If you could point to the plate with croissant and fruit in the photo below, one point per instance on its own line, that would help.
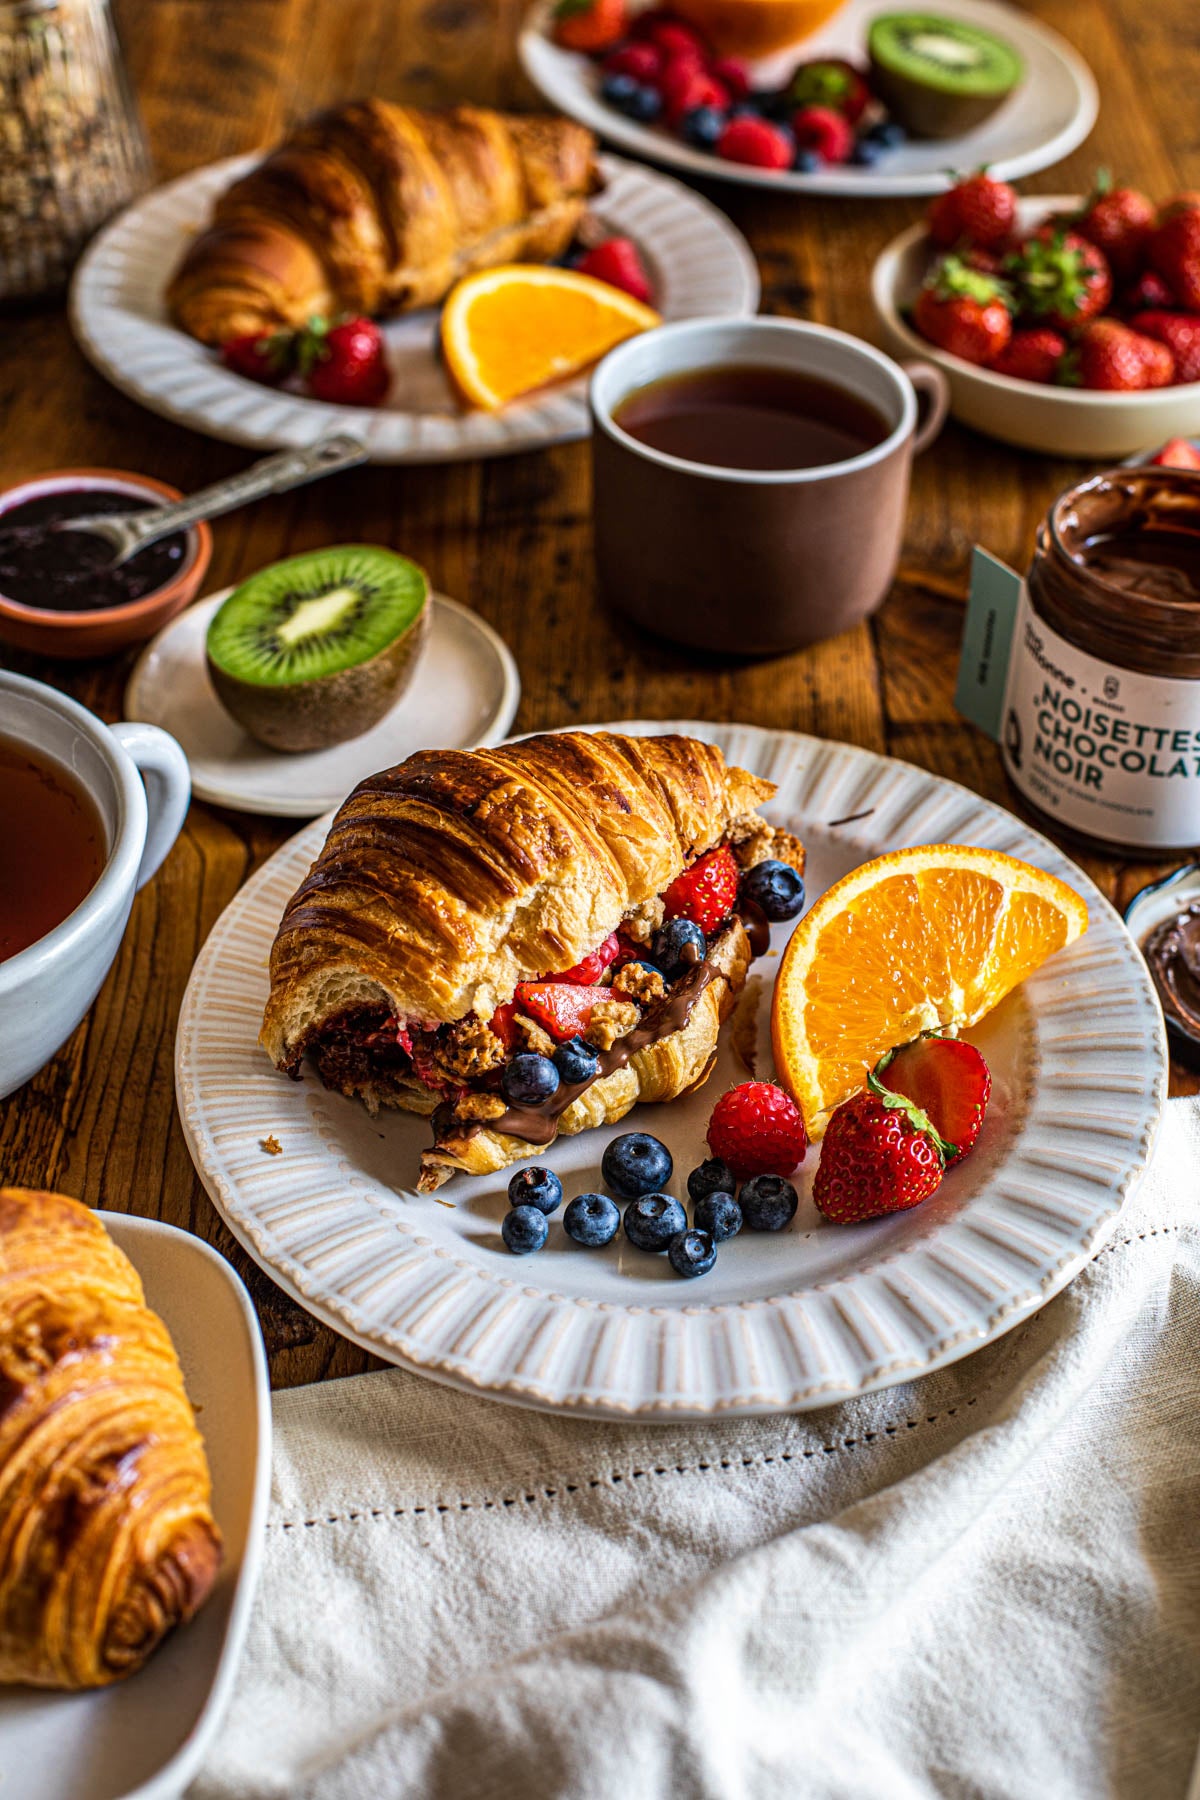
(669, 1070)
(437, 282)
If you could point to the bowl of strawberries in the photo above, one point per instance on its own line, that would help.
(1068, 325)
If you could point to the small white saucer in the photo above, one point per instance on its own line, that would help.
(464, 693)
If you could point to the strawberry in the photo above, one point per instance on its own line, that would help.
(1119, 222)
(756, 142)
(1061, 280)
(1180, 332)
(881, 1154)
(644, 62)
(706, 892)
(268, 357)
(1111, 356)
(832, 83)
(977, 210)
(1173, 250)
(1178, 454)
(589, 971)
(1148, 293)
(964, 312)
(1031, 355)
(503, 1023)
(949, 1081)
(827, 133)
(757, 1130)
(563, 1009)
(590, 25)
(733, 76)
(344, 362)
(618, 262)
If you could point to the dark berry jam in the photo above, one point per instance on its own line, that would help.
(66, 571)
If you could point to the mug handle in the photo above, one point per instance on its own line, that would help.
(932, 387)
(168, 781)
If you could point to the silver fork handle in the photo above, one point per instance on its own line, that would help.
(274, 475)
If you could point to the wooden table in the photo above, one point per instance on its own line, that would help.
(510, 537)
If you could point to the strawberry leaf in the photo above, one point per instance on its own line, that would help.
(920, 1121)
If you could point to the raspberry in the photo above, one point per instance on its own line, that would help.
(675, 38)
(828, 134)
(589, 971)
(699, 90)
(732, 75)
(757, 1130)
(617, 262)
(675, 83)
(643, 62)
(755, 142)
(706, 892)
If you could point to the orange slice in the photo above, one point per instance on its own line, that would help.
(510, 330)
(914, 940)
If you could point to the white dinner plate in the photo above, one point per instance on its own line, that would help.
(699, 266)
(1048, 116)
(785, 1321)
(143, 1739)
(465, 692)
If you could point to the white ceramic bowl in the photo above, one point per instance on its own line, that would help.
(1056, 421)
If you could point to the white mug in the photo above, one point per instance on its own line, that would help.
(46, 988)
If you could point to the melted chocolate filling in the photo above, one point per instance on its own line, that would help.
(1173, 953)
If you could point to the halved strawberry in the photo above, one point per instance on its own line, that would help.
(564, 1010)
(948, 1080)
(589, 971)
(706, 892)
(503, 1023)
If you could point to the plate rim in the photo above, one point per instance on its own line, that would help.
(126, 1229)
(213, 794)
(324, 417)
(946, 1349)
(641, 141)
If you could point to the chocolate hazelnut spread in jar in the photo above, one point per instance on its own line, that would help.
(1102, 703)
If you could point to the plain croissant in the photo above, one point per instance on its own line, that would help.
(449, 879)
(375, 208)
(107, 1539)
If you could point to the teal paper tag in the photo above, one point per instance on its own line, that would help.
(987, 642)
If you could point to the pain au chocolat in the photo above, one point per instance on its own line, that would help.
(449, 882)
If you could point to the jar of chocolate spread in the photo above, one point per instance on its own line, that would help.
(1102, 702)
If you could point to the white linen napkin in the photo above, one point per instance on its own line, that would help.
(984, 1583)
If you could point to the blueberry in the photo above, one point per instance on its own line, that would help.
(889, 132)
(719, 1214)
(678, 946)
(576, 1061)
(618, 90)
(691, 1253)
(524, 1230)
(652, 1221)
(807, 162)
(592, 1219)
(776, 888)
(867, 152)
(529, 1079)
(711, 1176)
(645, 105)
(768, 1202)
(535, 1187)
(703, 126)
(634, 1164)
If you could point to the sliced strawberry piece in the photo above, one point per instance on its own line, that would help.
(949, 1081)
(565, 1011)
(1178, 454)
(503, 1023)
(706, 892)
(589, 971)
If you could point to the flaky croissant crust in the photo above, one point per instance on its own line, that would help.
(107, 1539)
(447, 880)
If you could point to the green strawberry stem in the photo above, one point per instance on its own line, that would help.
(920, 1121)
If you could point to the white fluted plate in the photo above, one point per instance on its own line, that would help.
(699, 265)
(786, 1321)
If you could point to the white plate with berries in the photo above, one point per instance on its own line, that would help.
(795, 1311)
(656, 107)
(697, 264)
(1050, 341)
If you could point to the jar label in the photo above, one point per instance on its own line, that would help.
(1109, 753)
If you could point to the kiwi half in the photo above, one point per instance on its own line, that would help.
(314, 650)
(940, 77)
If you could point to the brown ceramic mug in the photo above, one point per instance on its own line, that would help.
(754, 561)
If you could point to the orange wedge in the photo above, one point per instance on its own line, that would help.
(510, 330)
(911, 941)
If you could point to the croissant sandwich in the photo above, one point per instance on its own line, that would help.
(107, 1540)
(374, 208)
(474, 908)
